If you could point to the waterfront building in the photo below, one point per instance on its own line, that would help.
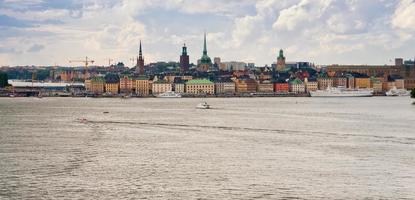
(179, 85)
(180, 88)
(339, 82)
(369, 70)
(112, 87)
(225, 87)
(142, 86)
(184, 60)
(200, 86)
(280, 61)
(205, 62)
(362, 82)
(246, 85)
(310, 85)
(282, 87)
(409, 84)
(350, 81)
(265, 86)
(324, 83)
(95, 85)
(297, 86)
(376, 84)
(140, 62)
(161, 86)
(126, 84)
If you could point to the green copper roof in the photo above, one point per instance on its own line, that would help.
(199, 82)
(98, 79)
(296, 82)
(141, 78)
(205, 58)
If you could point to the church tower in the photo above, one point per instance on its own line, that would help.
(184, 60)
(205, 61)
(140, 62)
(281, 61)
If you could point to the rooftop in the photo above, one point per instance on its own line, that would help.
(199, 82)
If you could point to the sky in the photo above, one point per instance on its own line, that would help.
(52, 32)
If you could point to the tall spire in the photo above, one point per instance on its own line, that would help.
(140, 51)
(204, 47)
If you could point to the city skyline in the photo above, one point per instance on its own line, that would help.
(38, 32)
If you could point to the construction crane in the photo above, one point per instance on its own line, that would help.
(109, 61)
(87, 61)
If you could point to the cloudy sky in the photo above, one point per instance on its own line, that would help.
(49, 32)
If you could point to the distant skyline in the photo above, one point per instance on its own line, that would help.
(49, 32)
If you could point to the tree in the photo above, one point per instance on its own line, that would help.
(413, 93)
(4, 80)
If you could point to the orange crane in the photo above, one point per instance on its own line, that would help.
(87, 61)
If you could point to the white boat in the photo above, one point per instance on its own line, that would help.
(342, 92)
(170, 94)
(203, 105)
(397, 92)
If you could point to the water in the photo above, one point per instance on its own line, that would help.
(265, 148)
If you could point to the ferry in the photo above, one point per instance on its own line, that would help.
(342, 92)
(170, 94)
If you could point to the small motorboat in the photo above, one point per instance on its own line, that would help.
(203, 105)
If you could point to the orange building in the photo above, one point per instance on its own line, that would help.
(245, 85)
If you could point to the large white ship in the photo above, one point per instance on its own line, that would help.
(397, 92)
(342, 92)
(170, 94)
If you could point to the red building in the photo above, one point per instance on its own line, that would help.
(281, 87)
(184, 60)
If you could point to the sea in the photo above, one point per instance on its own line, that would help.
(242, 148)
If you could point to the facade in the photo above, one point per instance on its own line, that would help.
(370, 70)
(161, 86)
(266, 87)
(126, 84)
(362, 82)
(184, 60)
(180, 88)
(232, 66)
(246, 85)
(310, 85)
(224, 88)
(200, 86)
(205, 62)
(340, 82)
(409, 84)
(140, 62)
(280, 62)
(142, 86)
(297, 86)
(281, 87)
(95, 85)
(112, 88)
(324, 83)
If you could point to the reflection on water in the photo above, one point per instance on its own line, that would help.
(300, 148)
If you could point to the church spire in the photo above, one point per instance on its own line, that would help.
(140, 53)
(204, 47)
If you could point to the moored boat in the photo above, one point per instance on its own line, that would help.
(342, 92)
(170, 94)
(203, 105)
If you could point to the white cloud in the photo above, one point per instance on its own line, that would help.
(404, 16)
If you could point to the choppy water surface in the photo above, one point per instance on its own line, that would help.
(269, 148)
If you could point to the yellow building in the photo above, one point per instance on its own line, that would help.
(362, 82)
(297, 86)
(310, 85)
(126, 84)
(200, 86)
(112, 88)
(142, 86)
(324, 83)
(95, 85)
(266, 87)
(161, 86)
